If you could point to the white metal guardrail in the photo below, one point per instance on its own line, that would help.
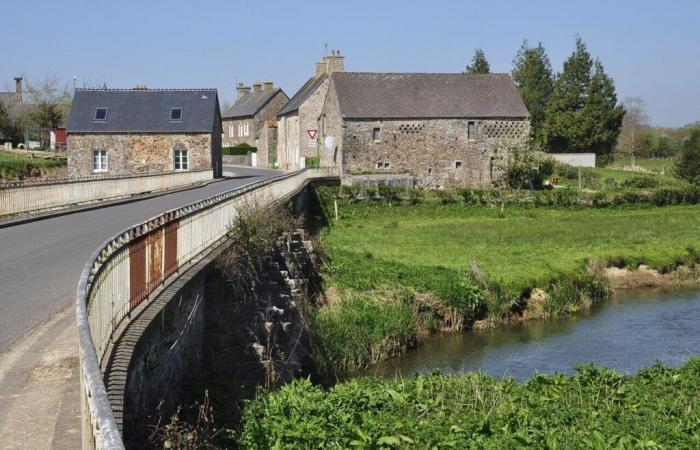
(21, 197)
(130, 265)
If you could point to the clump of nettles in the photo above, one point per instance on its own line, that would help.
(254, 231)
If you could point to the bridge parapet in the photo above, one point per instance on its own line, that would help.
(127, 268)
(42, 195)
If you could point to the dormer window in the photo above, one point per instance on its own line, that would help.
(100, 114)
(176, 114)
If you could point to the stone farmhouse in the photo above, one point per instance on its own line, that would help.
(441, 129)
(301, 114)
(141, 131)
(244, 121)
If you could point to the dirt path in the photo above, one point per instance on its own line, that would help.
(39, 387)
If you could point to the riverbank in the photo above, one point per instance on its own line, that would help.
(658, 407)
(396, 272)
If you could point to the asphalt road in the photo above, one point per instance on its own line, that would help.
(40, 262)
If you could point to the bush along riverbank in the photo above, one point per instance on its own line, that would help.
(598, 408)
(397, 269)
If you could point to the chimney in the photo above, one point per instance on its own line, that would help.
(18, 89)
(141, 87)
(257, 86)
(267, 86)
(242, 90)
(335, 62)
(321, 67)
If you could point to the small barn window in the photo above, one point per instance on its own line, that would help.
(471, 130)
(430, 170)
(375, 134)
(180, 160)
(99, 160)
(458, 164)
(101, 114)
(176, 114)
(387, 165)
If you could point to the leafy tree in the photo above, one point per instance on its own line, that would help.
(582, 113)
(688, 163)
(9, 131)
(479, 63)
(634, 124)
(523, 164)
(532, 74)
(50, 98)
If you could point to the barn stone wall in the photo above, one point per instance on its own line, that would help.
(437, 152)
(136, 153)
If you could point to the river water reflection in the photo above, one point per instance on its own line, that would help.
(629, 332)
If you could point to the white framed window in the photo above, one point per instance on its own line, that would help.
(99, 160)
(176, 114)
(245, 129)
(240, 130)
(230, 130)
(181, 160)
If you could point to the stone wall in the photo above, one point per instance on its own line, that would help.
(437, 152)
(231, 137)
(135, 153)
(269, 111)
(267, 145)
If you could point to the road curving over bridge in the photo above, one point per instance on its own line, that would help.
(40, 264)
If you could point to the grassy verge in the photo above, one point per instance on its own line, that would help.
(17, 167)
(424, 253)
(598, 408)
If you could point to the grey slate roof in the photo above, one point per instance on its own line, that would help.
(427, 95)
(249, 104)
(302, 94)
(148, 111)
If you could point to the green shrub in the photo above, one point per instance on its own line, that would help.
(640, 182)
(597, 408)
(238, 150)
(688, 162)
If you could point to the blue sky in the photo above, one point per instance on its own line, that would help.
(651, 48)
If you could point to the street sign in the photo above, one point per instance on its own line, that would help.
(312, 143)
(312, 133)
(329, 142)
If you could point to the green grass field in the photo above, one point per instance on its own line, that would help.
(651, 164)
(519, 247)
(15, 166)
(396, 273)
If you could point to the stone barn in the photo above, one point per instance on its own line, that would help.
(441, 129)
(143, 131)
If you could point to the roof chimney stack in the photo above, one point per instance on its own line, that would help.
(267, 86)
(335, 62)
(18, 89)
(257, 86)
(242, 90)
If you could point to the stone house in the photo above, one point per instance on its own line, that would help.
(301, 114)
(245, 119)
(140, 131)
(441, 129)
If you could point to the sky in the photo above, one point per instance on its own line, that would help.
(650, 48)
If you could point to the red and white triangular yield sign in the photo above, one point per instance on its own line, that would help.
(312, 133)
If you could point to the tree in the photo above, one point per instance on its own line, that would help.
(601, 113)
(688, 163)
(532, 74)
(51, 99)
(9, 131)
(582, 113)
(634, 124)
(523, 164)
(479, 63)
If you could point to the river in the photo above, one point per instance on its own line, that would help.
(628, 332)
